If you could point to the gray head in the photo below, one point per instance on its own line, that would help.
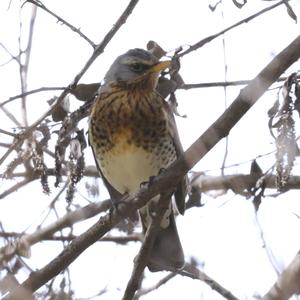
(135, 64)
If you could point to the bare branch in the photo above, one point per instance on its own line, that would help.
(100, 47)
(23, 67)
(188, 86)
(239, 183)
(122, 239)
(266, 247)
(11, 116)
(212, 37)
(161, 282)
(61, 20)
(68, 220)
(287, 284)
(17, 58)
(7, 132)
(17, 186)
(5, 145)
(27, 93)
(194, 273)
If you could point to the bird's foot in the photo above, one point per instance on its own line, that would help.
(120, 205)
(161, 170)
(147, 184)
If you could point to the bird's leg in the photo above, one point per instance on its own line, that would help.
(119, 206)
(161, 170)
(146, 184)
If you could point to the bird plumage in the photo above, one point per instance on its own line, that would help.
(134, 136)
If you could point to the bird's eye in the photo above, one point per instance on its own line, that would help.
(138, 67)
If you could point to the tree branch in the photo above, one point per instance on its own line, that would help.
(287, 284)
(61, 20)
(23, 67)
(27, 93)
(17, 186)
(239, 183)
(246, 20)
(194, 273)
(161, 282)
(188, 86)
(68, 220)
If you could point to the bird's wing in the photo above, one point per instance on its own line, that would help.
(182, 187)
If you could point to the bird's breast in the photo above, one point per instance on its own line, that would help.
(130, 138)
(126, 165)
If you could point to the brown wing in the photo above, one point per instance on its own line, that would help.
(181, 189)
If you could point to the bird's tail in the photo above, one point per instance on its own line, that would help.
(167, 252)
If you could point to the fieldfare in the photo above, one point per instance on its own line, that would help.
(133, 136)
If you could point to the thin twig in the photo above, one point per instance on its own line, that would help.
(11, 117)
(16, 143)
(6, 62)
(266, 247)
(194, 273)
(17, 58)
(5, 145)
(212, 37)
(27, 93)
(122, 239)
(188, 86)
(185, 86)
(7, 133)
(225, 95)
(23, 67)
(61, 20)
(156, 286)
(16, 187)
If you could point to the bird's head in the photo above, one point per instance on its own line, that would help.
(136, 66)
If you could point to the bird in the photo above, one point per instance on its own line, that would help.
(133, 136)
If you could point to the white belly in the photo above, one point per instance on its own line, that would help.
(126, 170)
(126, 167)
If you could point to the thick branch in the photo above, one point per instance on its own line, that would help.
(220, 128)
(288, 284)
(68, 220)
(240, 182)
(236, 182)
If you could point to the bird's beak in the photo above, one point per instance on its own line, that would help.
(162, 65)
